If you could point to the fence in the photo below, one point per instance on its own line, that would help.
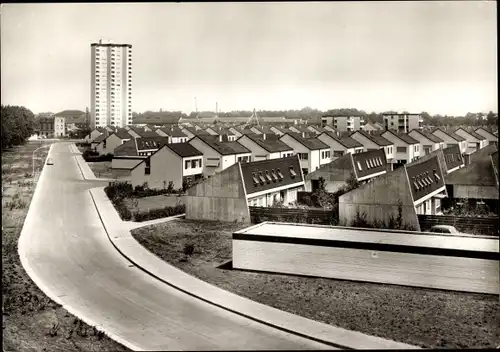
(310, 216)
(485, 226)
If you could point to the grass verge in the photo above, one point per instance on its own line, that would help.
(31, 321)
(101, 169)
(422, 317)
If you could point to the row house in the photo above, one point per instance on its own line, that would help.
(474, 140)
(303, 131)
(263, 148)
(415, 189)
(488, 134)
(340, 146)
(373, 127)
(315, 129)
(173, 134)
(97, 140)
(312, 152)
(96, 132)
(218, 155)
(361, 167)
(450, 159)
(407, 149)
(131, 153)
(427, 140)
(192, 132)
(226, 196)
(226, 134)
(373, 142)
(180, 163)
(279, 131)
(111, 142)
(270, 181)
(477, 180)
(261, 130)
(450, 138)
(239, 131)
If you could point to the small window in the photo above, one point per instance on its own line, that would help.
(359, 166)
(292, 172)
(261, 177)
(273, 174)
(436, 176)
(269, 179)
(280, 175)
(254, 177)
(186, 164)
(193, 164)
(147, 170)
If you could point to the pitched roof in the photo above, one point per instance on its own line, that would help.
(431, 137)
(488, 130)
(479, 172)
(147, 143)
(223, 148)
(122, 133)
(184, 150)
(347, 141)
(450, 133)
(301, 129)
(476, 135)
(100, 138)
(126, 149)
(369, 163)
(173, 132)
(149, 134)
(272, 145)
(309, 143)
(196, 132)
(452, 157)
(379, 140)
(425, 177)
(336, 170)
(266, 175)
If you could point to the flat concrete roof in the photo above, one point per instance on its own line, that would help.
(369, 236)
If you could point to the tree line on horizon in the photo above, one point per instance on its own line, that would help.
(471, 119)
(17, 125)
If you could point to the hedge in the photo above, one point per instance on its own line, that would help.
(160, 213)
(97, 158)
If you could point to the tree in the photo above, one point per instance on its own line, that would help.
(17, 125)
(491, 118)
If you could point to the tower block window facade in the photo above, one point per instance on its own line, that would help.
(111, 84)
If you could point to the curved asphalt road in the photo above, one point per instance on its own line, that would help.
(66, 251)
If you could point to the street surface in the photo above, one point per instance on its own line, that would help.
(67, 250)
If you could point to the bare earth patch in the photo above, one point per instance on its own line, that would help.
(31, 321)
(421, 317)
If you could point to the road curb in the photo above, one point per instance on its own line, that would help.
(354, 336)
(78, 162)
(23, 241)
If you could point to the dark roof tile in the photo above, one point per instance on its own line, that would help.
(269, 174)
(425, 178)
(223, 148)
(310, 143)
(369, 163)
(184, 150)
(272, 145)
(148, 143)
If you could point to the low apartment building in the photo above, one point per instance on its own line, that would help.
(488, 134)
(344, 123)
(417, 188)
(112, 141)
(402, 123)
(428, 141)
(474, 141)
(407, 149)
(373, 142)
(59, 127)
(180, 163)
(218, 155)
(173, 134)
(263, 148)
(361, 166)
(312, 152)
(450, 138)
(340, 146)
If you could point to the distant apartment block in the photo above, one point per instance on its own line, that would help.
(111, 84)
(343, 123)
(59, 127)
(402, 123)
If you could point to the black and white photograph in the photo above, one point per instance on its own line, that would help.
(210, 176)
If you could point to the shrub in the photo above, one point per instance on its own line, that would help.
(97, 158)
(188, 249)
(160, 213)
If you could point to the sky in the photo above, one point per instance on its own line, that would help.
(439, 57)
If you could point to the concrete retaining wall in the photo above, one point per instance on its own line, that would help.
(221, 197)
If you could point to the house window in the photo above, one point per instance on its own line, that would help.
(268, 177)
(254, 178)
(261, 177)
(186, 164)
(193, 164)
(280, 175)
(147, 170)
(303, 156)
(292, 172)
(359, 165)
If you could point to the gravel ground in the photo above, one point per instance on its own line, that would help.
(31, 321)
(422, 317)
